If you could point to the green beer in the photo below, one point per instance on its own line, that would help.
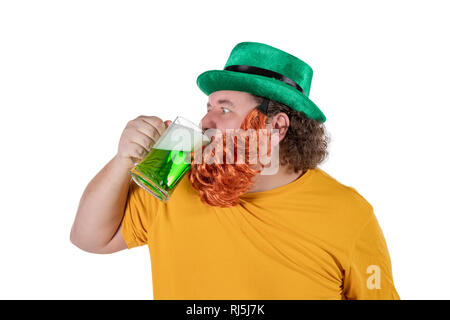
(158, 174)
(169, 159)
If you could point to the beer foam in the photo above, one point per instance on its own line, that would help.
(182, 138)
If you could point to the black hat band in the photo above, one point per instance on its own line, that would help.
(265, 73)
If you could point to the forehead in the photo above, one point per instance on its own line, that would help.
(237, 98)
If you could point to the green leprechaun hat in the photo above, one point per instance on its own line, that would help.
(267, 72)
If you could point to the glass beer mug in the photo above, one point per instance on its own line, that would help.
(169, 159)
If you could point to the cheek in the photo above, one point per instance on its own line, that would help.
(230, 123)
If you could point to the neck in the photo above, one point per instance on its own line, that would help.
(281, 178)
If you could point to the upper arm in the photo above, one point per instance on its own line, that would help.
(139, 213)
(117, 243)
(369, 275)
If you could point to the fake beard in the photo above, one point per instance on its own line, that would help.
(221, 184)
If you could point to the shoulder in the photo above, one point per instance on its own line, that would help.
(349, 203)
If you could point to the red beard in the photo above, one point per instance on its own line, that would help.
(221, 184)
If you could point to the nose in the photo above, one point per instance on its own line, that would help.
(208, 122)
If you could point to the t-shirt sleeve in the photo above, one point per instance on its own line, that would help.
(140, 212)
(369, 274)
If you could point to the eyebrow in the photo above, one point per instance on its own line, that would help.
(221, 102)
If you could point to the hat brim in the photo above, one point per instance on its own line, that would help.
(216, 80)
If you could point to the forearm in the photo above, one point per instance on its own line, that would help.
(102, 205)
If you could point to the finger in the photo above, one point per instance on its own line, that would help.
(149, 131)
(138, 151)
(155, 122)
(167, 123)
(143, 140)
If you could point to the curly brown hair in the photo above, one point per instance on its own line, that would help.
(305, 143)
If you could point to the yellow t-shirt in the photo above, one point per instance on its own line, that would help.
(313, 238)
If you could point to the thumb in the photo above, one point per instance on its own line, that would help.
(167, 123)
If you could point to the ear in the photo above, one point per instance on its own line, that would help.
(281, 122)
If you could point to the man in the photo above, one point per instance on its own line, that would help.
(229, 231)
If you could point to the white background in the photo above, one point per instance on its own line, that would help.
(73, 73)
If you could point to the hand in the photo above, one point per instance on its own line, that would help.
(139, 136)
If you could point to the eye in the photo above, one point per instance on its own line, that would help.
(223, 109)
